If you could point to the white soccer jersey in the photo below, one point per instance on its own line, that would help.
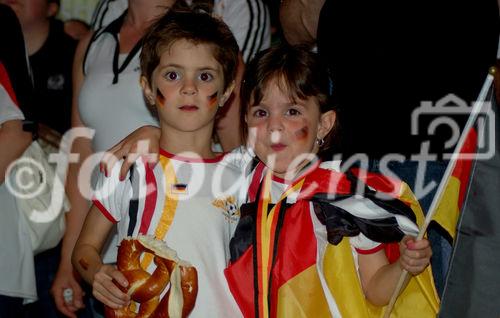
(187, 203)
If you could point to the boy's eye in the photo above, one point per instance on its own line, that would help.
(205, 77)
(293, 112)
(172, 76)
(260, 113)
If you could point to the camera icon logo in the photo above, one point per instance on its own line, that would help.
(447, 112)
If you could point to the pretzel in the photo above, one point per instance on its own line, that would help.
(145, 288)
(172, 305)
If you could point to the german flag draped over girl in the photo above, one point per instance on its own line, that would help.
(295, 249)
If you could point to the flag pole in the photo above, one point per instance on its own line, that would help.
(476, 109)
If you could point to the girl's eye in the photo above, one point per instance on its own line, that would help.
(205, 77)
(293, 112)
(172, 76)
(260, 113)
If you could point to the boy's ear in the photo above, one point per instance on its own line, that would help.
(148, 92)
(52, 9)
(223, 99)
(326, 123)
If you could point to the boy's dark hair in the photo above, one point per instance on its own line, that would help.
(298, 72)
(182, 23)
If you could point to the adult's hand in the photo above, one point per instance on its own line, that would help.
(66, 279)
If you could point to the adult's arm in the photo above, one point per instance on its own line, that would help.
(65, 277)
(14, 141)
(299, 20)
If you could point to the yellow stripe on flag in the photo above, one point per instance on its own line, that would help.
(265, 246)
(340, 271)
(305, 285)
(448, 210)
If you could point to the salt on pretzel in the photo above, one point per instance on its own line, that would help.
(145, 288)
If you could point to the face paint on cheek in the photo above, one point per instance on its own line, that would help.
(302, 133)
(212, 99)
(160, 99)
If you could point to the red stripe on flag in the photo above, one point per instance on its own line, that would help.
(385, 184)
(324, 181)
(240, 278)
(297, 249)
(463, 169)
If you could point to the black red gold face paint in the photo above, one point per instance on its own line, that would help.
(302, 133)
(160, 99)
(212, 99)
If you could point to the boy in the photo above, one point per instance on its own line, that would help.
(188, 65)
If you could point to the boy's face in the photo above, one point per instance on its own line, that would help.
(188, 86)
(31, 11)
(283, 132)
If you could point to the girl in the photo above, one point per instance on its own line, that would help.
(288, 254)
(188, 66)
(290, 235)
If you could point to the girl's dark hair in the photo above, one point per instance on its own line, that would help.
(298, 72)
(184, 23)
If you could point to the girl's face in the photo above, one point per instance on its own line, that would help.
(187, 86)
(283, 133)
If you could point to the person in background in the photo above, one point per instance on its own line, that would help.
(80, 10)
(106, 11)
(76, 15)
(249, 20)
(76, 28)
(17, 284)
(51, 53)
(299, 20)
